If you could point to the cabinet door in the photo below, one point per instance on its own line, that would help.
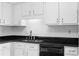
(17, 14)
(22, 11)
(78, 13)
(5, 49)
(68, 12)
(51, 12)
(33, 49)
(0, 11)
(6, 13)
(26, 10)
(38, 9)
(18, 49)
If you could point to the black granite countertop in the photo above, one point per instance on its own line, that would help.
(50, 41)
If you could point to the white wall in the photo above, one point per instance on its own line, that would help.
(40, 29)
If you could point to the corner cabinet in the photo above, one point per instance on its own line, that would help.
(61, 13)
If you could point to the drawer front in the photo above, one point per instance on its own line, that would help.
(70, 51)
(32, 46)
(18, 45)
(33, 53)
(32, 49)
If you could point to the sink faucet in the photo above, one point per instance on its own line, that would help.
(30, 35)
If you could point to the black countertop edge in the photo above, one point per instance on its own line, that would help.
(36, 36)
(42, 43)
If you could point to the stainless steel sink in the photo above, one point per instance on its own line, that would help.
(33, 41)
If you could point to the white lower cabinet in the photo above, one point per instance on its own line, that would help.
(78, 51)
(70, 51)
(18, 52)
(5, 49)
(19, 49)
(33, 49)
(25, 49)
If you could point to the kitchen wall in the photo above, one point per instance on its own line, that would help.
(40, 29)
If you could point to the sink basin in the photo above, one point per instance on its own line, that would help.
(33, 40)
(38, 40)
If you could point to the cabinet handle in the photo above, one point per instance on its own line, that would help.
(29, 13)
(33, 12)
(62, 20)
(57, 20)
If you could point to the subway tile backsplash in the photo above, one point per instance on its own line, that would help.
(45, 30)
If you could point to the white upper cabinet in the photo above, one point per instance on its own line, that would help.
(78, 13)
(6, 13)
(68, 12)
(0, 12)
(1, 15)
(32, 9)
(21, 12)
(28, 10)
(51, 12)
(61, 13)
(38, 9)
(17, 13)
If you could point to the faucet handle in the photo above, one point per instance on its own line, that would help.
(34, 37)
(31, 33)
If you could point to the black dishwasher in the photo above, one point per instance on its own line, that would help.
(46, 50)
